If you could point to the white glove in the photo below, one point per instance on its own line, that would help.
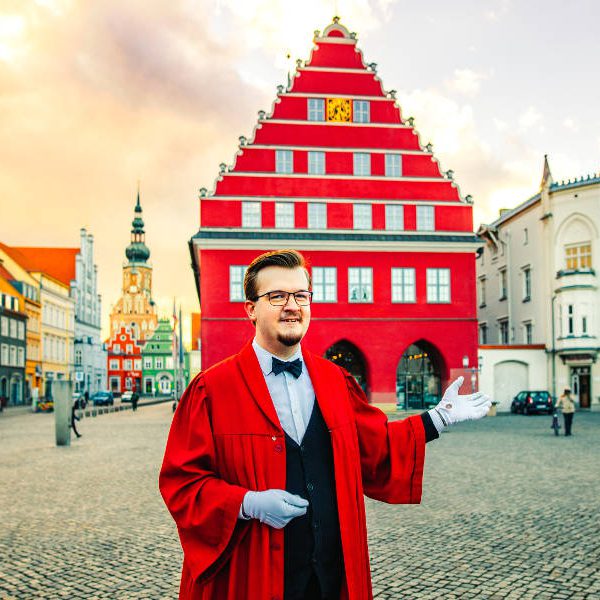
(274, 507)
(454, 408)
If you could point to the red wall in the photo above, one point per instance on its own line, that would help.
(336, 135)
(381, 330)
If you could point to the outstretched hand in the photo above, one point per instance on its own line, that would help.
(455, 408)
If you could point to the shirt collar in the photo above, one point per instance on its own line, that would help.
(265, 358)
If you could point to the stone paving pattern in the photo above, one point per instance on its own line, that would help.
(509, 511)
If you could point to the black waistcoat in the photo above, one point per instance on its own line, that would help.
(312, 542)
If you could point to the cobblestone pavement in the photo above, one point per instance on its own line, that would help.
(509, 511)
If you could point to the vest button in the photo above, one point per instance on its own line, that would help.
(315, 525)
(274, 438)
(302, 448)
(278, 448)
(310, 487)
(313, 560)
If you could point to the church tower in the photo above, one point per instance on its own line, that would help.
(135, 309)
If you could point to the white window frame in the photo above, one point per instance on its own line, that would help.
(362, 216)
(502, 283)
(526, 283)
(251, 214)
(425, 217)
(393, 165)
(394, 217)
(482, 291)
(503, 326)
(439, 286)
(361, 111)
(114, 364)
(316, 162)
(361, 164)
(527, 335)
(147, 362)
(324, 284)
(284, 161)
(236, 283)
(360, 280)
(403, 285)
(284, 215)
(159, 362)
(317, 215)
(315, 109)
(483, 329)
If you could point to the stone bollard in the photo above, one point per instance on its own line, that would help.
(61, 394)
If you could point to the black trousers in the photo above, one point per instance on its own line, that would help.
(568, 422)
(312, 592)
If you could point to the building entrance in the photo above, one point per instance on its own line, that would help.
(580, 376)
(347, 355)
(418, 381)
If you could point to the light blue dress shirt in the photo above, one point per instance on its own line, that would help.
(293, 398)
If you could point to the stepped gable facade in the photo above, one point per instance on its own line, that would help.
(335, 171)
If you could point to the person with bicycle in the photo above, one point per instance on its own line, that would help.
(567, 404)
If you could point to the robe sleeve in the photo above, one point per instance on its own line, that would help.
(392, 454)
(204, 507)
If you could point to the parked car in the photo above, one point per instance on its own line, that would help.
(531, 402)
(126, 396)
(103, 399)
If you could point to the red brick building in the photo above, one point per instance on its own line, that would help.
(124, 363)
(337, 173)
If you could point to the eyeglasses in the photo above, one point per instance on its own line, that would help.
(280, 298)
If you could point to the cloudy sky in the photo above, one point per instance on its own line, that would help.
(96, 94)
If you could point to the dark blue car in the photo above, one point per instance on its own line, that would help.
(103, 399)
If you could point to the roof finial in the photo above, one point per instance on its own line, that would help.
(546, 175)
(138, 205)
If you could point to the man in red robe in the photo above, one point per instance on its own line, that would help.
(271, 451)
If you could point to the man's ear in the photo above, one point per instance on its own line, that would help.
(250, 311)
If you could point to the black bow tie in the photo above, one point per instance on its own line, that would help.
(294, 367)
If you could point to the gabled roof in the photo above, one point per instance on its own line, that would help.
(5, 273)
(56, 262)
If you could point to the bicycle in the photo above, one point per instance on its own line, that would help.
(555, 424)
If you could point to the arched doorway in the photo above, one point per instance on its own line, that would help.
(347, 355)
(418, 377)
(164, 384)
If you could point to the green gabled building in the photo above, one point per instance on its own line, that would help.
(158, 367)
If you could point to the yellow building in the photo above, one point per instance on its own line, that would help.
(28, 287)
(135, 309)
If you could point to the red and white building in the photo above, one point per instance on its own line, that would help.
(124, 362)
(335, 172)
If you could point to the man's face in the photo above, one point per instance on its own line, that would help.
(279, 327)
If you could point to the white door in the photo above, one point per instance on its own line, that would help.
(510, 378)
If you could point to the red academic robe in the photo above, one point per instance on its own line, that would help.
(226, 439)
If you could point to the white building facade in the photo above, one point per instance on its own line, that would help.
(538, 294)
(90, 355)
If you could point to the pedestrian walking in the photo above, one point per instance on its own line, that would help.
(86, 399)
(567, 404)
(74, 417)
(271, 450)
(134, 401)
